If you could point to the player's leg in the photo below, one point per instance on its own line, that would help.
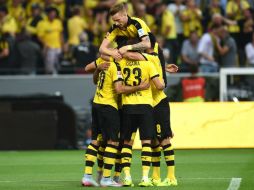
(91, 152)
(110, 131)
(118, 165)
(147, 132)
(100, 154)
(163, 119)
(156, 158)
(126, 154)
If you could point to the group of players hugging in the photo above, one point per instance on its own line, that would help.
(130, 80)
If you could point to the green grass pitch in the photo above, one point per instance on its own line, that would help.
(195, 169)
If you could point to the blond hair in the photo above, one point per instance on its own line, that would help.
(117, 8)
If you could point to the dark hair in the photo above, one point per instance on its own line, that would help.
(116, 8)
(50, 9)
(4, 9)
(215, 26)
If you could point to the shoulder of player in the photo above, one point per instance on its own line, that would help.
(112, 28)
(137, 22)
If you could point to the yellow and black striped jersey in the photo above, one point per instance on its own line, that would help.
(135, 28)
(133, 73)
(105, 91)
(158, 95)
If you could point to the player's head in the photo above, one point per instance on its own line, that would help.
(119, 15)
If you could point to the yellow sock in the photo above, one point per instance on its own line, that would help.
(90, 158)
(146, 157)
(156, 157)
(100, 157)
(126, 159)
(170, 160)
(109, 159)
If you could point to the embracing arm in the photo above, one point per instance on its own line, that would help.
(141, 46)
(159, 84)
(104, 49)
(123, 89)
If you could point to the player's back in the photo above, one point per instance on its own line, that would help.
(133, 73)
(158, 95)
(105, 91)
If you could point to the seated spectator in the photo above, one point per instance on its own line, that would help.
(84, 53)
(193, 87)
(227, 49)
(189, 52)
(8, 24)
(27, 54)
(49, 32)
(207, 50)
(249, 50)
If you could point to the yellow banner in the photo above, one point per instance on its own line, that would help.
(211, 125)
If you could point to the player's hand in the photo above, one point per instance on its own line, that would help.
(145, 84)
(123, 50)
(116, 55)
(171, 68)
(104, 66)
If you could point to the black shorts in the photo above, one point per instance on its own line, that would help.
(142, 121)
(162, 119)
(105, 121)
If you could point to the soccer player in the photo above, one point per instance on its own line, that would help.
(105, 119)
(161, 113)
(138, 113)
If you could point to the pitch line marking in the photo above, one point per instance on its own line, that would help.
(234, 183)
(197, 178)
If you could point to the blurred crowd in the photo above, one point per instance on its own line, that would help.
(62, 36)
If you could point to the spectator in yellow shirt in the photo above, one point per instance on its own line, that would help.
(191, 18)
(18, 12)
(168, 30)
(142, 14)
(49, 31)
(8, 24)
(76, 25)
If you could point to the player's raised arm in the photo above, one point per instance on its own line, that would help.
(141, 46)
(106, 50)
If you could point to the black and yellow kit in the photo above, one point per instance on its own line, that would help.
(137, 107)
(136, 28)
(105, 115)
(161, 110)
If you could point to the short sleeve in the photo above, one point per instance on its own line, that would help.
(153, 71)
(141, 27)
(116, 73)
(111, 34)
